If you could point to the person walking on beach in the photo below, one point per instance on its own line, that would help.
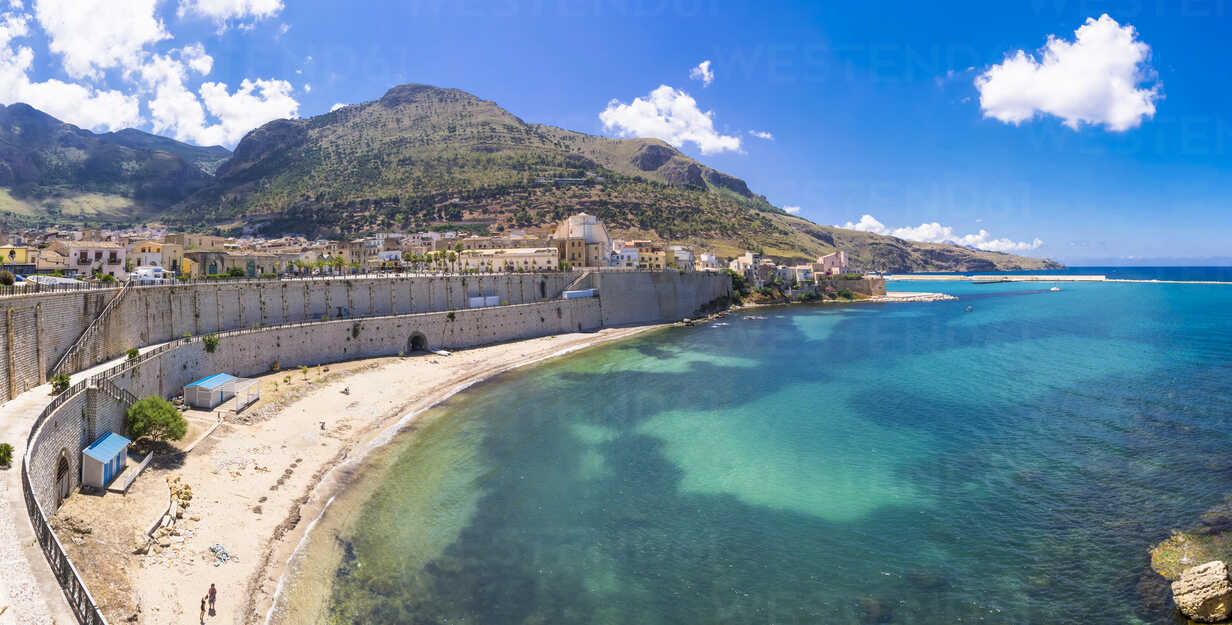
(212, 596)
(202, 610)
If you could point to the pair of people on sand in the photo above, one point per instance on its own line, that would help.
(208, 598)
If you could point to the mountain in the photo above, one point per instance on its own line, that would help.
(423, 156)
(206, 159)
(51, 171)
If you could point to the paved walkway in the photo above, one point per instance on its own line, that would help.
(27, 586)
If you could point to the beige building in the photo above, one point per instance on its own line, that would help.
(199, 264)
(486, 243)
(51, 261)
(512, 259)
(582, 241)
(194, 242)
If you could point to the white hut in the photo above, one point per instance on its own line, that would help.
(104, 459)
(210, 391)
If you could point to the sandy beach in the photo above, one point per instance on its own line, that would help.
(262, 477)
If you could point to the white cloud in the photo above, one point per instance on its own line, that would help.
(703, 73)
(83, 106)
(177, 111)
(307, 88)
(1102, 77)
(668, 114)
(96, 35)
(791, 210)
(761, 134)
(197, 59)
(336, 107)
(92, 38)
(936, 233)
(16, 5)
(222, 11)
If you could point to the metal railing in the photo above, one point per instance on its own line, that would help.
(75, 592)
(115, 392)
(34, 288)
(89, 332)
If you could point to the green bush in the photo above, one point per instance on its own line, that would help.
(235, 272)
(846, 294)
(851, 276)
(107, 278)
(6, 454)
(156, 418)
(59, 383)
(211, 342)
(132, 353)
(7, 278)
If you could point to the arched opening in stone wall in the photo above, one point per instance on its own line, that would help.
(64, 478)
(417, 343)
(543, 289)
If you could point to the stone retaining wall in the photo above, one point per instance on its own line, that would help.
(252, 352)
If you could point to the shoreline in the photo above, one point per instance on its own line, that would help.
(281, 553)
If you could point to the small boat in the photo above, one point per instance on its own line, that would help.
(968, 309)
(754, 317)
(1055, 288)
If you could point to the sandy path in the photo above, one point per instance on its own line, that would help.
(253, 483)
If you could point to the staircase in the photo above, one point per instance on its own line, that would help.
(581, 282)
(71, 360)
(111, 390)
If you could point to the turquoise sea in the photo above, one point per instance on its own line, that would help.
(904, 463)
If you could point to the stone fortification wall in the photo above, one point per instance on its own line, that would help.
(866, 286)
(37, 330)
(252, 352)
(630, 298)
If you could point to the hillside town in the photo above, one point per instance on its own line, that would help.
(153, 256)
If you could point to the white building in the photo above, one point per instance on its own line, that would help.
(86, 257)
(625, 257)
(150, 275)
(707, 262)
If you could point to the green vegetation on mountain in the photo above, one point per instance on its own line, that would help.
(419, 158)
(53, 172)
(424, 156)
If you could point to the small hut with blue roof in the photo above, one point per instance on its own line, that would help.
(104, 459)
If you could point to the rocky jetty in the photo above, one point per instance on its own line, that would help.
(1204, 593)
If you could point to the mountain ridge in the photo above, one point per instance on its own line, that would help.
(428, 157)
(52, 171)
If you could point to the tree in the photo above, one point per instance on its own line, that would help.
(235, 272)
(7, 278)
(156, 418)
(211, 342)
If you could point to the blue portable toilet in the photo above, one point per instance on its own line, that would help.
(104, 459)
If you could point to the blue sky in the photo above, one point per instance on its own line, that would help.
(873, 107)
